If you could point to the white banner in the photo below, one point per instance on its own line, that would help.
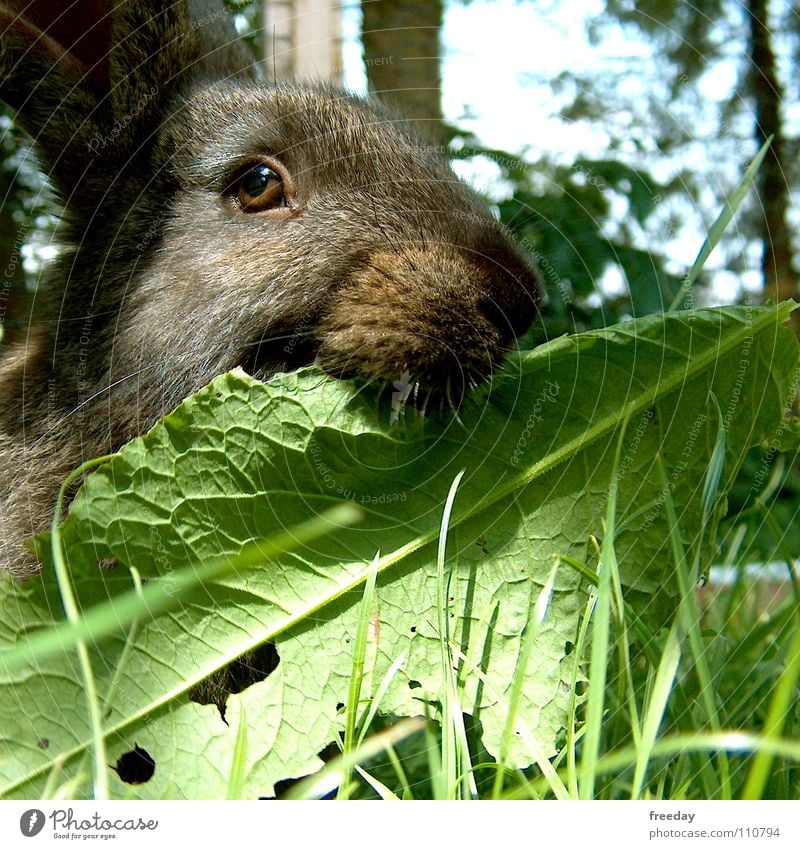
(295, 825)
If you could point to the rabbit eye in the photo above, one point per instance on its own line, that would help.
(261, 188)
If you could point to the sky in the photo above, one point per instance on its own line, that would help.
(498, 58)
(489, 48)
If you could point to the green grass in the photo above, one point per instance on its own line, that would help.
(704, 709)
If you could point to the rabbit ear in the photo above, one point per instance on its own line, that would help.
(151, 44)
(222, 52)
(62, 34)
(96, 74)
(53, 88)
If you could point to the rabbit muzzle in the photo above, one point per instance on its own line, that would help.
(435, 317)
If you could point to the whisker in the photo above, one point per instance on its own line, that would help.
(453, 406)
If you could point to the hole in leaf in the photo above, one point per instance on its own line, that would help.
(414, 685)
(136, 766)
(330, 752)
(568, 647)
(249, 669)
(284, 785)
(413, 629)
(580, 687)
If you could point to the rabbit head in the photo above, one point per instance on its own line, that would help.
(211, 220)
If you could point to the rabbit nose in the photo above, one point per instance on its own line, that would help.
(512, 319)
(435, 313)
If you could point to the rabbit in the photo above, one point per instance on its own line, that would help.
(212, 220)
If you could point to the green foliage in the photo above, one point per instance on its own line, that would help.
(242, 460)
(563, 215)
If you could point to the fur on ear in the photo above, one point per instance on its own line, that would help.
(49, 86)
(78, 32)
(91, 79)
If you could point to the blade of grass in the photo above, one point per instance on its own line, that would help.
(357, 670)
(781, 702)
(402, 778)
(601, 629)
(579, 652)
(456, 764)
(624, 652)
(156, 597)
(720, 225)
(380, 692)
(332, 774)
(379, 787)
(433, 751)
(581, 568)
(656, 706)
(535, 619)
(70, 604)
(689, 614)
(734, 742)
(238, 772)
(556, 786)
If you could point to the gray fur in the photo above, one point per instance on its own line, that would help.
(387, 262)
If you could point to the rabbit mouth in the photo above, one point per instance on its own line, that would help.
(436, 385)
(278, 351)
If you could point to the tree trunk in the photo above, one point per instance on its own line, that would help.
(303, 40)
(402, 55)
(780, 277)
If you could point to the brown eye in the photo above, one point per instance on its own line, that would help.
(261, 188)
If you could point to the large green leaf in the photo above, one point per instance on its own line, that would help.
(240, 460)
